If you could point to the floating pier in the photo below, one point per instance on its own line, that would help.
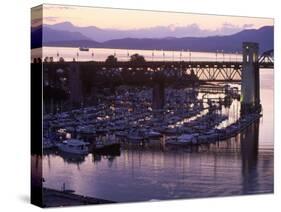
(56, 198)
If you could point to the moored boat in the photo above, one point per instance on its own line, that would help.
(84, 49)
(74, 146)
(108, 145)
(183, 140)
(47, 143)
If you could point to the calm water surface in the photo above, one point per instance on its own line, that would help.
(100, 54)
(241, 165)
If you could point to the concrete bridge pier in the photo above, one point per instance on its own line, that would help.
(250, 80)
(75, 85)
(158, 96)
(249, 153)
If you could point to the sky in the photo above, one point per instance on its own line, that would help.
(121, 19)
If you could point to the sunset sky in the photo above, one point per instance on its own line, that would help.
(129, 19)
(122, 19)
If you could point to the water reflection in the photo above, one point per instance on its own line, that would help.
(152, 171)
(249, 151)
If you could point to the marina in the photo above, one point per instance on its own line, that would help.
(124, 121)
(139, 148)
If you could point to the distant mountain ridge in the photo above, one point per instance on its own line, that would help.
(228, 43)
(105, 34)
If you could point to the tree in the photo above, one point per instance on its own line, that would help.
(61, 60)
(111, 59)
(136, 58)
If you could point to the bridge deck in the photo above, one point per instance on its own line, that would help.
(182, 64)
(203, 70)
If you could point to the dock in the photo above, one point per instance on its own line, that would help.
(56, 198)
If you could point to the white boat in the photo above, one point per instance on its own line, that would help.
(74, 146)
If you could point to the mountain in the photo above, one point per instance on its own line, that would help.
(75, 43)
(92, 32)
(228, 43)
(105, 34)
(36, 37)
(48, 36)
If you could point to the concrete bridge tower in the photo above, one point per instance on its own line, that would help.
(250, 82)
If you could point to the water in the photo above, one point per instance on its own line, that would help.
(240, 165)
(100, 54)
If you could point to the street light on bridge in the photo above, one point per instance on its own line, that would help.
(217, 55)
(77, 56)
(181, 54)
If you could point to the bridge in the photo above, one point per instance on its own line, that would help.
(161, 73)
(226, 71)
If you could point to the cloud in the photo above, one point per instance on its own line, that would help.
(192, 30)
(247, 26)
(227, 29)
(36, 22)
(58, 7)
(51, 18)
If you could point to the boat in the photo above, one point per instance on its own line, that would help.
(74, 146)
(208, 137)
(188, 138)
(121, 134)
(88, 130)
(47, 143)
(171, 131)
(183, 140)
(152, 134)
(83, 49)
(171, 139)
(134, 136)
(108, 145)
